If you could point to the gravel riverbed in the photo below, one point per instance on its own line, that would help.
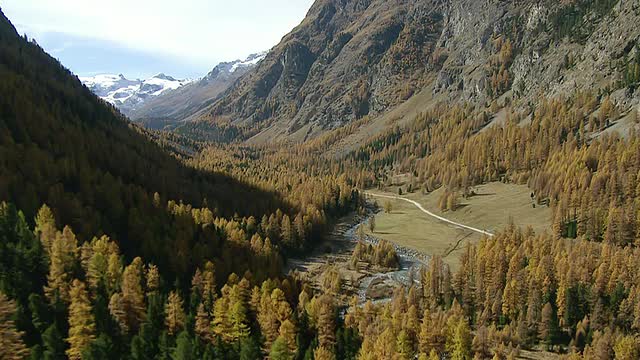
(366, 284)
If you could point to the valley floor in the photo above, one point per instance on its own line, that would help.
(492, 208)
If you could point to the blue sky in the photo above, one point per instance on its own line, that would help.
(140, 38)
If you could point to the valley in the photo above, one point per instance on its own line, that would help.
(377, 285)
(418, 179)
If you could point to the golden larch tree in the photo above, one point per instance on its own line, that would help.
(288, 333)
(221, 323)
(323, 353)
(326, 322)
(11, 345)
(153, 279)
(82, 326)
(203, 323)
(174, 313)
(128, 306)
(64, 251)
(46, 227)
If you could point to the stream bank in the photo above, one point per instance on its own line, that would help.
(367, 283)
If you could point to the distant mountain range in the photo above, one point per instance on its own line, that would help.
(163, 100)
(127, 94)
(174, 107)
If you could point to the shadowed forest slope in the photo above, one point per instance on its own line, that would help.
(61, 145)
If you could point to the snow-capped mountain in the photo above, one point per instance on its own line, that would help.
(128, 95)
(175, 106)
(249, 62)
(231, 69)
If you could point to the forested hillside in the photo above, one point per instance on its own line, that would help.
(561, 149)
(97, 196)
(573, 288)
(64, 147)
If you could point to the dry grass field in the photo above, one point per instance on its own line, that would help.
(491, 209)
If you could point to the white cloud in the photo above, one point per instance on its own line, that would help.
(203, 31)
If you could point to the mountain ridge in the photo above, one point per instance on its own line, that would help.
(353, 59)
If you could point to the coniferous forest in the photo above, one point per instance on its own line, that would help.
(113, 245)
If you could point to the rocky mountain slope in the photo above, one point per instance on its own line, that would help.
(128, 95)
(352, 59)
(181, 104)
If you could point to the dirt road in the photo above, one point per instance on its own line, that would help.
(417, 204)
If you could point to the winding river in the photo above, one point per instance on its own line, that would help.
(338, 247)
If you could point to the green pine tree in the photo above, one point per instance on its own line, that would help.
(184, 347)
(280, 350)
(250, 349)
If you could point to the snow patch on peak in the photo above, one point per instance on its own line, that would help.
(250, 61)
(229, 68)
(129, 94)
(162, 76)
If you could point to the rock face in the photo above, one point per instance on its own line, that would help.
(354, 58)
(171, 108)
(128, 95)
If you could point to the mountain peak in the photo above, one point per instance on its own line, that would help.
(250, 61)
(228, 67)
(175, 106)
(130, 94)
(164, 77)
